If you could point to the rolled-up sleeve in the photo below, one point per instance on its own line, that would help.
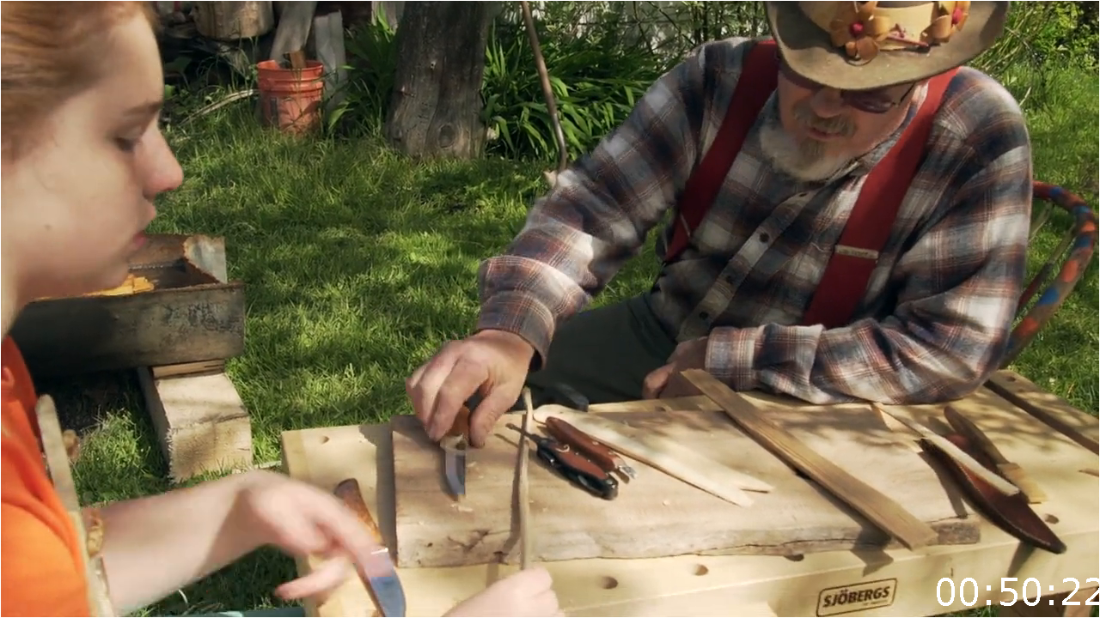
(597, 216)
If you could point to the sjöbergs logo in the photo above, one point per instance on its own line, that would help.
(857, 597)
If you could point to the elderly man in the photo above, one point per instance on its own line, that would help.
(850, 207)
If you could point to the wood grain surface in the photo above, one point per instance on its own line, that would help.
(656, 515)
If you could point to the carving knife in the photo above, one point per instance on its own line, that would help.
(1011, 513)
(599, 453)
(1009, 470)
(386, 590)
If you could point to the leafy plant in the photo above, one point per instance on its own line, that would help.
(1037, 33)
(595, 87)
(372, 57)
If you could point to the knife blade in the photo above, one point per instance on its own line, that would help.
(1011, 513)
(454, 464)
(599, 453)
(386, 590)
(1009, 470)
(454, 445)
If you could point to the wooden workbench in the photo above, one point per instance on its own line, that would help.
(896, 582)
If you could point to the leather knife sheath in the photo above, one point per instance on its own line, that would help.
(1012, 513)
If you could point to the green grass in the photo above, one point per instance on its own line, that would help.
(360, 264)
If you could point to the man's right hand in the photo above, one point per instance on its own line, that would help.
(492, 363)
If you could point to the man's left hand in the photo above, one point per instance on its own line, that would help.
(691, 354)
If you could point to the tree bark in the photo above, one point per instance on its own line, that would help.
(436, 106)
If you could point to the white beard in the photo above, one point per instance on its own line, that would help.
(805, 161)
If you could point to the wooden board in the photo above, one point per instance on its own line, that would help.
(743, 585)
(200, 421)
(656, 515)
(193, 314)
(884, 511)
(58, 466)
(1056, 412)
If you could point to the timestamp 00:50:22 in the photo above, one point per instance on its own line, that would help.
(946, 592)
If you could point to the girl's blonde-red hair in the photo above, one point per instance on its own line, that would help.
(49, 52)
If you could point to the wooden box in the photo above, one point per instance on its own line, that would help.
(193, 313)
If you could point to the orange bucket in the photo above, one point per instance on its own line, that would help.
(290, 99)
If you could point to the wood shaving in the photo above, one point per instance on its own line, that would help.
(72, 444)
(134, 284)
(94, 530)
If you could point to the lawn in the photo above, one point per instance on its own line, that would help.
(359, 264)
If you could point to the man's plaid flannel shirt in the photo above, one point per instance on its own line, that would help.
(935, 319)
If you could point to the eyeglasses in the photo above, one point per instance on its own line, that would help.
(877, 101)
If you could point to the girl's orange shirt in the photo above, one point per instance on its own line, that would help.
(42, 568)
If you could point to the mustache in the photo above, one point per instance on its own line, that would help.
(839, 125)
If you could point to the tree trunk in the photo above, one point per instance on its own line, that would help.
(436, 105)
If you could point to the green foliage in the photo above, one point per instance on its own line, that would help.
(372, 59)
(1044, 33)
(595, 78)
(595, 84)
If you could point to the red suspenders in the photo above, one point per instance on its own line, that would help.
(872, 218)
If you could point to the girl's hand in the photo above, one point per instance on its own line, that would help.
(525, 593)
(302, 520)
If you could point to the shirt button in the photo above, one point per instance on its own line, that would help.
(703, 315)
(764, 237)
(729, 278)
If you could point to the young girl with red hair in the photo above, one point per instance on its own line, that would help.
(82, 161)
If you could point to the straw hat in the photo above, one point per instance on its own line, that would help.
(864, 45)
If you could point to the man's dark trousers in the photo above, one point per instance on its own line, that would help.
(604, 353)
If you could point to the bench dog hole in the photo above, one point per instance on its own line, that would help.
(607, 582)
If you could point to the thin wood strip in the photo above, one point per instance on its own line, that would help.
(1011, 470)
(1020, 478)
(864, 499)
(701, 403)
(1047, 407)
(955, 452)
(57, 463)
(524, 491)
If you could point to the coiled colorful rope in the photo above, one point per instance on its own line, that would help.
(1082, 246)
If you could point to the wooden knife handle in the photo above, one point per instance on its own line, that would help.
(461, 425)
(571, 458)
(348, 492)
(599, 453)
